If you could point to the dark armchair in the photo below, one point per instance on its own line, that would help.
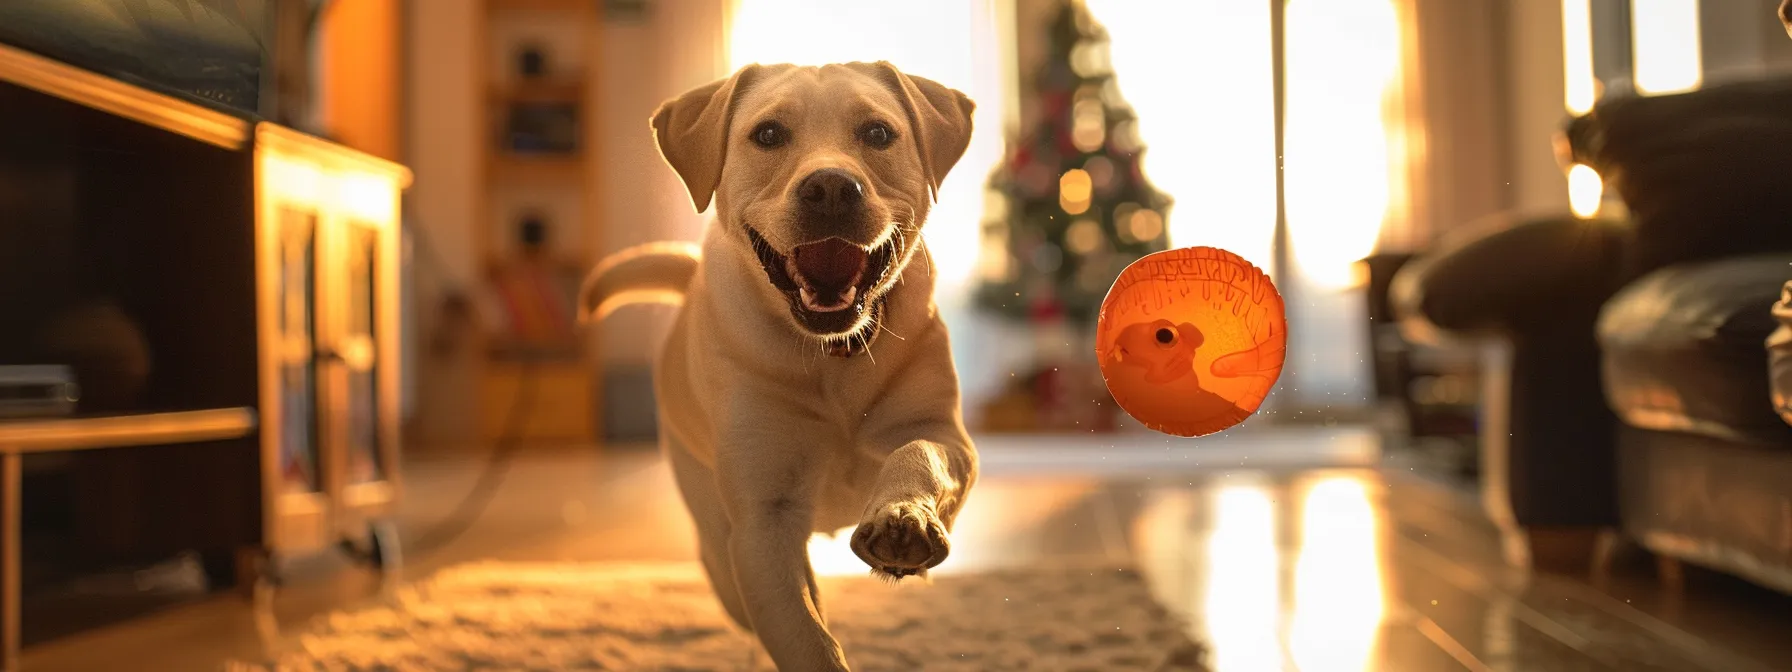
(1636, 395)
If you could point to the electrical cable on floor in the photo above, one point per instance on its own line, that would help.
(473, 505)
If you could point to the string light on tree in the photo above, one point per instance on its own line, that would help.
(1069, 208)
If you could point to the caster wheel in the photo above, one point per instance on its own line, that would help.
(383, 549)
(257, 573)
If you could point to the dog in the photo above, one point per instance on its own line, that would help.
(807, 384)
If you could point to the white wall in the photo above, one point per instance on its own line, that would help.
(1535, 108)
(441, 111)
(1487, 94)
(680, 45)
(1742, 39)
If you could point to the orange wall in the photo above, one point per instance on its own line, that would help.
(362, 62)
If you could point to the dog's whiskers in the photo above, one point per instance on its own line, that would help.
(865, 342)
(881, 327)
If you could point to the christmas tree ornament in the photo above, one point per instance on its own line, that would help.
(1190, 341)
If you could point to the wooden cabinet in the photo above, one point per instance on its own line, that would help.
(190, 262)
(327, 232)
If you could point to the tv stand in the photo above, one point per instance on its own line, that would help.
(258, 267)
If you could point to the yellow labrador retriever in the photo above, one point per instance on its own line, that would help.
(806, 385)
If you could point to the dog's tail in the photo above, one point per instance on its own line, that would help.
(648, 273)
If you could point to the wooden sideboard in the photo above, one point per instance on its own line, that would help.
(232, 264)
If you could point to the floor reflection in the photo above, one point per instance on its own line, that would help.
(1274, 574)
(1241, 596)
(1339, 599)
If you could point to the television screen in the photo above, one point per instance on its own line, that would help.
(210, 50)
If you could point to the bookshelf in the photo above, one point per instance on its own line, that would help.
(537, 372)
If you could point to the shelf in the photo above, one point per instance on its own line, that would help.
(526, 168)
(577, 264)
(504, 349)
(60, 434)
(561, 89)
(581, 6)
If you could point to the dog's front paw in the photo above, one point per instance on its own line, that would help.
(901, 539)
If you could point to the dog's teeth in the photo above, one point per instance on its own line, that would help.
(809, 301)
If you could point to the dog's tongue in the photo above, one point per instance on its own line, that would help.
(827, 274)
(831, 265)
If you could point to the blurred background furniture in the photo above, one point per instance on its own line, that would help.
(1637, 392)
(19, 438)
(180, 254)
(1426, 391)
(531, 374)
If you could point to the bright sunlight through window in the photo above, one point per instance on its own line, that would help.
(1665, 36)
(1343, 57)
(1577, 56)
(1585, 190)
(1199, 74)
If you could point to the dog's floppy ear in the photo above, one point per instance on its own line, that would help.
(940, 115)
(692, 132)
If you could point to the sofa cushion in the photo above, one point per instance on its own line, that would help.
(1684, 349)
(1703, 173)
(1779, 351)
(1509, 275)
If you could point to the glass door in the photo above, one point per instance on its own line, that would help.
(359, 346)
(297, 341)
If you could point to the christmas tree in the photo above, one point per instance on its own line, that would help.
(1069, 208)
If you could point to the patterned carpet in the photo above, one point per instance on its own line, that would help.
(606, 616)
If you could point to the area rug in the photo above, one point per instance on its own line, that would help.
(607, 616)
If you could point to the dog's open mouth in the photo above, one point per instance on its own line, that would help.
(827, 274)
(828, 282)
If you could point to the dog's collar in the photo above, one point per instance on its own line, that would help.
(854, 346)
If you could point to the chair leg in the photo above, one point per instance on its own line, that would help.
(1671, 572)
(1559, 550)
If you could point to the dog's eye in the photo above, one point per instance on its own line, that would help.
(770, 134)
(877, 134)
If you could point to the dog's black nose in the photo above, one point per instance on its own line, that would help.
(830, 192)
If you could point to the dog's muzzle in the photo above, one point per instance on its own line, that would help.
(829, 278)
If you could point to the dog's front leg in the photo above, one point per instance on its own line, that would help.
(768, 483)
(907, 523)
(923, 482)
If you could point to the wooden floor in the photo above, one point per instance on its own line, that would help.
(1285, 550)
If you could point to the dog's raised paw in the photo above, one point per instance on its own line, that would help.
(901, 539)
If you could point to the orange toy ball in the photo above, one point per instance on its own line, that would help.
(1190, 341)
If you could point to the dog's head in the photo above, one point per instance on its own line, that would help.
(1786, 15)
(821, 175)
